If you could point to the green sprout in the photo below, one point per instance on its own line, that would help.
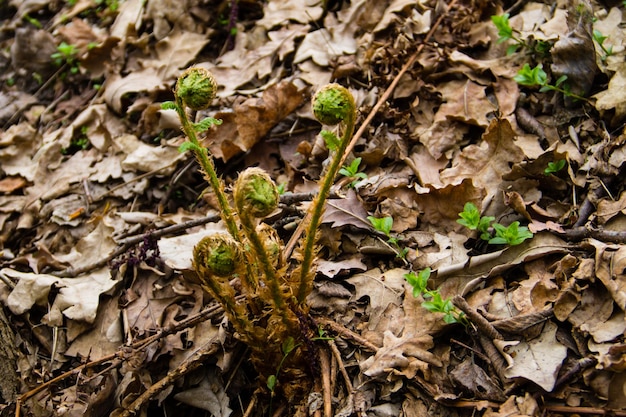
(384, 226)
(471, 218)
(512, 235)
(555, 166)
(433, 301)
(32, 21)
(418, 281)
(66, 55)
(506, 33)
(600, 38)
(352, 171)
(537, 77)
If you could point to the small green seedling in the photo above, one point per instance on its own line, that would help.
(506, 33)
(384, 226)
(537, 77)
(32, 21)
(434, 302)
(66, 54)
(352, 171)
(554, 167)
(512, 235)
(470, 217)
(418, 281)
(600, 38)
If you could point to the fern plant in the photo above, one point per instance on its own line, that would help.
(273, 309)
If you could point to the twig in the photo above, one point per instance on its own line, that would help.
(385, 96)
(584, 232)
(585, 410)
(381, 101)
(191, 364)
(484, 327)
(326, 390)
(339, 329)
(342, 370)
(123, 352)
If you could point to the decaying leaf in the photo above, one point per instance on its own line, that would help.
(539, 359)
(78, 298)
(254, 118)
(486, 162)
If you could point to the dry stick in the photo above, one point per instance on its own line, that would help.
(120, 354)
(326, 390)
(584, 410)
(383, 98)
(183, 369)
(394, 83)
(341, 330)
(70, 272)
(342, 370)
(251, 405)
(486, 335)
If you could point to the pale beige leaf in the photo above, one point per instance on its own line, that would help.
(140, 81)
(176, 51)
(77, 299)
(539, 359)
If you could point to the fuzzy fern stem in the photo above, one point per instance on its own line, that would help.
(209, 170)
(335, 103)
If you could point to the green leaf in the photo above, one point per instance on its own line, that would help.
(555, 166)
(531, 76)
(352, 169)
(383, 225)
(470, 216)
(599, 37)
(168, 105)
(511, 49)
(189, 146)
(512, 235)
(271, 382)
(560, 80)
(419, 281)
(331, 140)
(288, 346)
(205, 124)
(505, 32)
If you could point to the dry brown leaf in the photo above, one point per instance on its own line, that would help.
(78, 298)
(128, 20)
(175, 52)
(117, 87)
(486, 162)
(440, 206)
(607, 209)
(610, 269)
(410, 352)
(209, 395)
(254, 118)
(538, 359)
(277, 12)
(346, 211)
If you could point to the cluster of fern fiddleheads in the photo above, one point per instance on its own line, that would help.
(273, 309)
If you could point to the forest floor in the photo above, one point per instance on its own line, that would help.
(517, 310)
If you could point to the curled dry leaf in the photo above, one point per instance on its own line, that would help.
(253, 119)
